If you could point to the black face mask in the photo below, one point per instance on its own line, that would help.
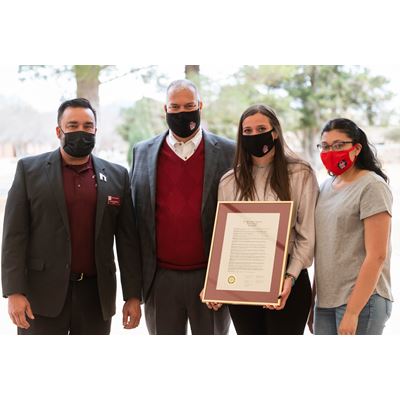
(78, 144)
(259, 145)
(184, 124)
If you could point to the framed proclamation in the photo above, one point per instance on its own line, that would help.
(248, 254)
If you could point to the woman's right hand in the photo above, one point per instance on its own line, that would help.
(211, 306)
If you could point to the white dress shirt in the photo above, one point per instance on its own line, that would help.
(185, 150)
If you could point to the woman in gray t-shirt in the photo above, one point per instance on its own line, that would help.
(353, 222)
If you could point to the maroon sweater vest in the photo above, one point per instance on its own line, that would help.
(180, 244)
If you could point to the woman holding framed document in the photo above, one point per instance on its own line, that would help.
(353, 220)
(266, 170)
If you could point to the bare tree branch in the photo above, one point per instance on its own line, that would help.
(131, 71)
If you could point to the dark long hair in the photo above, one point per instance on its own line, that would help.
(279, 175)
(367, 159)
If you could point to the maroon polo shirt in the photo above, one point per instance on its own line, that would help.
(80, 189)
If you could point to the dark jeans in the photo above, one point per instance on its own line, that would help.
(255, 320)
(174, 301)
(81, 314)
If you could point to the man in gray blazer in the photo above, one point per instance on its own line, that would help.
(63, 211)
(174, 180)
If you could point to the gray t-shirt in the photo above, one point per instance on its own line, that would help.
(340, 249)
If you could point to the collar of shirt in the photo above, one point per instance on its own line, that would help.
(78, 168)
(185, 150)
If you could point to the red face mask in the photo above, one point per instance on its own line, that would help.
(338, 162)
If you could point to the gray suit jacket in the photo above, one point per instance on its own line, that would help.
(36, 250)
(219, 153)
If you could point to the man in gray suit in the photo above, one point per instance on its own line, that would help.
(62, 213)
(174, 180)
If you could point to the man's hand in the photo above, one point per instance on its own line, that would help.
(131, 313)
(18, 309)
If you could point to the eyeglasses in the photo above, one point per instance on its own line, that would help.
(324, 147)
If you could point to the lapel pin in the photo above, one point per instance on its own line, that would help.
(114, 201)
(102, 177)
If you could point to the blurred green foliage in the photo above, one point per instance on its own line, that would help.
(305, 97)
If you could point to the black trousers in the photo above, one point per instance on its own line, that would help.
(174, 301)
(81, 314)
(255, 320)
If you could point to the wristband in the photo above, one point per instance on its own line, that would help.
(292, 277)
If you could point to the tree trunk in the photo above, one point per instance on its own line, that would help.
(312, 132)
(192, 71)
(88, 82)
(309, 145)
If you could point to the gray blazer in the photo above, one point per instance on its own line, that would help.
(219, 153)
(36, 249)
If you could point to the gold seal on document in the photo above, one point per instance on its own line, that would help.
(231, 280)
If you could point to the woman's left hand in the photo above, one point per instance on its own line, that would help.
(287, 288)
(348, 325)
